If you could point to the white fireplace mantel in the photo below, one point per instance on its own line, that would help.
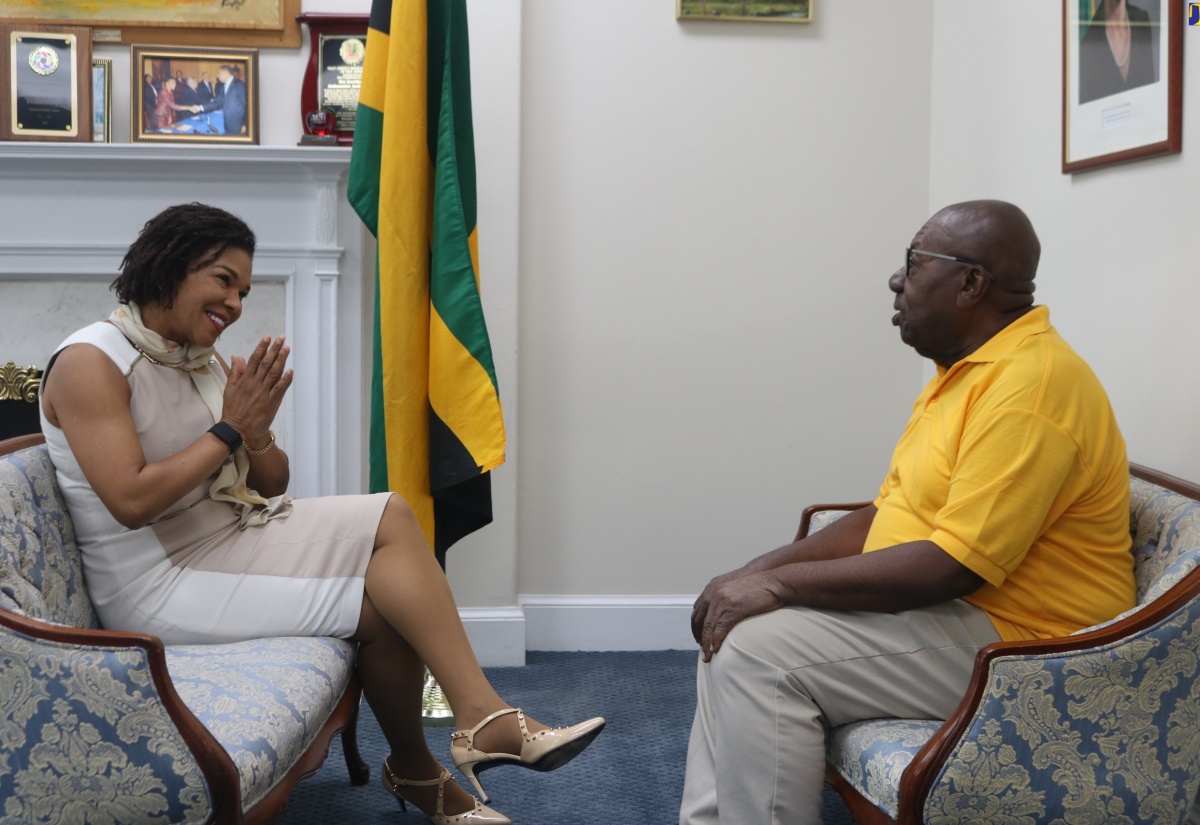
(68, 212)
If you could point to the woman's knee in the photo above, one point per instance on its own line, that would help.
(398, 517)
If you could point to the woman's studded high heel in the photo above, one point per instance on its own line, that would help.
(542, 751)
(480, 815)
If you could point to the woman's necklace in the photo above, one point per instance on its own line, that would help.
(145, 354)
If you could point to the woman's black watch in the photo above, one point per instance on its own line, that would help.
(231, 437)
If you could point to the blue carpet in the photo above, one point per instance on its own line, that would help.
(633, 773)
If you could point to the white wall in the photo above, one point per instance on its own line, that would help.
(705, 216)
(1119, 245)
(709, 214)
(685, 235)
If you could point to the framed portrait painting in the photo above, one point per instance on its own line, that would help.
(193, 95)
(1122, 81)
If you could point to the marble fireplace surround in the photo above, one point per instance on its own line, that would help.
(69, 211)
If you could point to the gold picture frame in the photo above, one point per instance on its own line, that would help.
(247, 23)
(797, 11)
(184, 94)
(45, 85)
(101, 101)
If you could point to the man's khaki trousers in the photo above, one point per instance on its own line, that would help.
(780, 680)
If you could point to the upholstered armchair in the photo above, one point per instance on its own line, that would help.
(1099, 727)
(107, 726)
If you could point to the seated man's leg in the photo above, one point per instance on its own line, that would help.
(757, 752)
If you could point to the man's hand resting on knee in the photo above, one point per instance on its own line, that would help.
(726, 601)
(829, 571)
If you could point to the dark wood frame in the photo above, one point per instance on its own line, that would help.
(919, 776)
(220, 773)
(1172, 42)
(82, 55)
(139, 53)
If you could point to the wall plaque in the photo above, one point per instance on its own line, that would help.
(46, 83)
(333, 76)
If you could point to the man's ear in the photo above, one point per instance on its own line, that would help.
(975, 283)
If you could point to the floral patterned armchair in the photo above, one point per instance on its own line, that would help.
(106, 726)
(1099, 727)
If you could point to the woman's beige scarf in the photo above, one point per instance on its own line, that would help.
(207, 375)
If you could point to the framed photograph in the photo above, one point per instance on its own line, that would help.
(797, 11)
(101, 101)
(196, 22)
(193, 95)
(1122, 81)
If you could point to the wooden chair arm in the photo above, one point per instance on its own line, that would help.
(813, 509)
(919, 776)
(219, 771)
(20, 442)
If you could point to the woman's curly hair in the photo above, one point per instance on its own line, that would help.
(174, 243)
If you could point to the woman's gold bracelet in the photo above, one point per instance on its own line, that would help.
(266, 449)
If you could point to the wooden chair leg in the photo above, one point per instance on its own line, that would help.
(360, 771)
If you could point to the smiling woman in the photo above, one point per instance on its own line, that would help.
(178, 492)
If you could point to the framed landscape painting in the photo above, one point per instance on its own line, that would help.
(185, 22)
(798, 11)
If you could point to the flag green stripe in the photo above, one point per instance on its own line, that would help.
(454, 288)
(362, 183)
(449, 67)
(377, 480)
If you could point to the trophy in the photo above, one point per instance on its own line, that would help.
(333, 77)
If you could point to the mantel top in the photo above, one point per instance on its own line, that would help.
(75, 158)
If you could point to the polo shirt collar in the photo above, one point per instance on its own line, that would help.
(1034, 322)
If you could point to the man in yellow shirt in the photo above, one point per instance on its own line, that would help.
(1004, 515)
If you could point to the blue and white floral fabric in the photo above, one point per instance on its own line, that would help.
(84, 735)
(85, 738)
(1106, 735)
(264, 700)
(41, 571)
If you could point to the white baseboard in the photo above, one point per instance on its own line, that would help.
(500, 636)
(496, 634)
(608, 622)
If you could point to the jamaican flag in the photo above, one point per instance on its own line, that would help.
(436, 424)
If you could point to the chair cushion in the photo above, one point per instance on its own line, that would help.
(264, 700)
(41, 570)
(871, 755)
(84, 737)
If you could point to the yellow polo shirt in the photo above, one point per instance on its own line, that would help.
(1013, 464)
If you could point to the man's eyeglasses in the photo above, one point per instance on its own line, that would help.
(909, 252)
